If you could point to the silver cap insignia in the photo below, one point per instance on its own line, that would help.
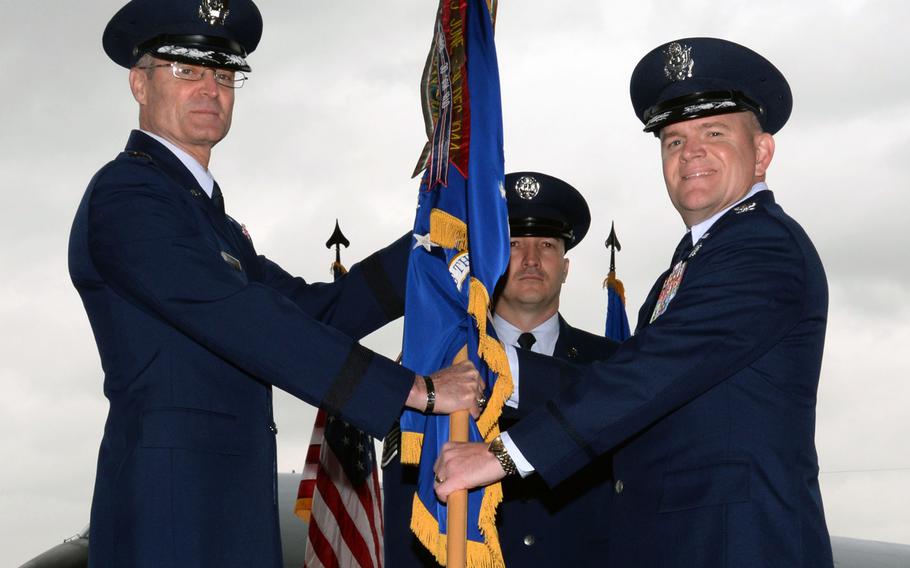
(214, 11)
(527, 187)
(679, 63)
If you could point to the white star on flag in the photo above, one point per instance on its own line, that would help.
(424, 241)
(502, 190)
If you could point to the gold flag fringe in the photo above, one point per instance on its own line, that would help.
(411, 442)
(448, 231)
(480, 554)
(616, 283)
(303, 508)
(493, 353)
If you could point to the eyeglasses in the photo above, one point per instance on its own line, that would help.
(225, 77)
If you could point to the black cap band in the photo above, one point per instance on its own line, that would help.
(697, 105)
(195, 49)
(540, 227)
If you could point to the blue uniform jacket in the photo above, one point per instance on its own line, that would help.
(538, 526)
(193, 329)
(709, 410)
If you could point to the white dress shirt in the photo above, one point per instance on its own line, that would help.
(545, 336)
(203, 176)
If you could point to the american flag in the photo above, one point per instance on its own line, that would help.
(339, 496)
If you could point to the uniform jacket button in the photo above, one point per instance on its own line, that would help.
(273, 428)
(618, 486)
(529, 540)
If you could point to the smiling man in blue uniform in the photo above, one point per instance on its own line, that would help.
(194, 328)
(538, 526)
(709, 409)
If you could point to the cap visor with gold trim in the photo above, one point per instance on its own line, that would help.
(213, 33)
(702, 76)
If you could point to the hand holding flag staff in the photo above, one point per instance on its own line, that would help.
(617, 324)
(461, 248)
(339, 494)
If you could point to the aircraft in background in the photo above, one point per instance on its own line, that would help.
(73, 552)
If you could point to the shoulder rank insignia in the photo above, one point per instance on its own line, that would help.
(744, 208)
(137, 154)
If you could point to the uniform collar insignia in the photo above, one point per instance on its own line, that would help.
(214, 11)
(744, 208)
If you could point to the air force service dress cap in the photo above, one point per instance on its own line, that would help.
(214, 33)
(544, 206)
(702, 76)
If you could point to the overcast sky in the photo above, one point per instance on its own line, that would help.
(330, 126)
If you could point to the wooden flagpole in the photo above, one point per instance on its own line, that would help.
(457, 509)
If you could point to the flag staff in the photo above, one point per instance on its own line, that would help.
(457, 505)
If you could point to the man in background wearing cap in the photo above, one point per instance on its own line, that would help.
(538, 526)
(193, 328)
(710, 407)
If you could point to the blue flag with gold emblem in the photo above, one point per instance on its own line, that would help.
(461, 248)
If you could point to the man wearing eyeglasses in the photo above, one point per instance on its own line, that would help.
(193, 327)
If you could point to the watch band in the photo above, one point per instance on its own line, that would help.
(431, 396)
(498, 449)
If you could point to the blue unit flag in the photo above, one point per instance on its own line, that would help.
(461, 248)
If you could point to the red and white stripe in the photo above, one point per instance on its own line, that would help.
(345, 527)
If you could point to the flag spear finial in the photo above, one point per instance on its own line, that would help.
(337, 240)
(612, 243)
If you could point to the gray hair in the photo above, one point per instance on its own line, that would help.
(146, 61)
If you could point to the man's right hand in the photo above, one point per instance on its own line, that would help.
(458, 387)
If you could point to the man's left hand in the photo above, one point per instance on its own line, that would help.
(465, 465)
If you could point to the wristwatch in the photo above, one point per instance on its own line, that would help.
(498, 449)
